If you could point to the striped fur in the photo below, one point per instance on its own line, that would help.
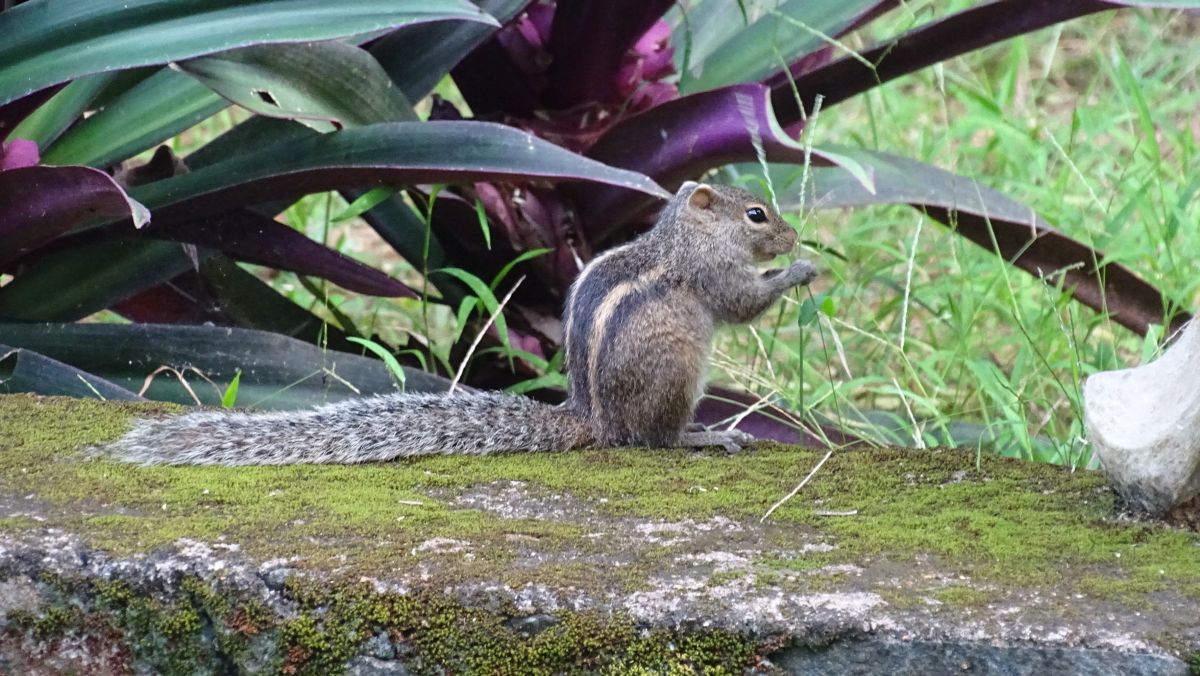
(358, 430)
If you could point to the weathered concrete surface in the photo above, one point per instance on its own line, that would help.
(1144, 425)
(890, 561)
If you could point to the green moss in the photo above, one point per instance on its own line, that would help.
(901, 600)
(1008, 522)
(964, 597)
(312, 647)
(442, 635)
(180, 623)
(113, 594)
(56, 621)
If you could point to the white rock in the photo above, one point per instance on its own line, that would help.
(1144, 426)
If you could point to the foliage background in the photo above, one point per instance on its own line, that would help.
(915, 335)
(1091, 123)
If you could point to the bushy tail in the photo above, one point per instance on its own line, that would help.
(359, 430)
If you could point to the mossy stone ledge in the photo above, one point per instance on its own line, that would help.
(607, 561)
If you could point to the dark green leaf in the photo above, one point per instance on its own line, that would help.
(52, 41)
(324, 85)
(726, 51)
(50, 120)
(116, 269)
(150, 112)
(277, 372)
(22, 370)
(392, 154)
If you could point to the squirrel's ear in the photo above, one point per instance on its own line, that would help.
(702, 195)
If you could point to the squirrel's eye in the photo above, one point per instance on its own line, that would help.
(756, 215)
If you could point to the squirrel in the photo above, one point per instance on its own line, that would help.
(638, 327)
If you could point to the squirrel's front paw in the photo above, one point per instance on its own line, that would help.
(801, 273)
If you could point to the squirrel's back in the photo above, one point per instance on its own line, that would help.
(357, 430)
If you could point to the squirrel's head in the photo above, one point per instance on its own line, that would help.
(734, 218)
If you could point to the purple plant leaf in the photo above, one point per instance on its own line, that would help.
(455, 223)
(588, 42)
(507, 73)
(1020, 235)
(223, 294)
(254, 238)
(721, 405)
(416, 57)
(492, 83)
(181, 300)
(521, 219)
(18, 153)
(40, 203)
(684, 138)
(934, 42)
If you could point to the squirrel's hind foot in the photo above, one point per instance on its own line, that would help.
(731, 440)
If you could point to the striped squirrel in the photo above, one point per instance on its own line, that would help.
(638, 332)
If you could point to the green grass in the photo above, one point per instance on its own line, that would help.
(1093, 125)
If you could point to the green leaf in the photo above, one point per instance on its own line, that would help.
(52, 41)
(545, 381)
(393, 153)
(481, 214)
(384, 354)
(324, 85)
(485, 296)
(277, 372)
(229, 398)
(23, 370)
(725, 50)
(364, 203)
(532, 253)
(1177, 213)
(116, 269)
(465, 308)
(49, 121)
(808, 312)
(1130, 86)
(150, 112)
(1151, 343)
